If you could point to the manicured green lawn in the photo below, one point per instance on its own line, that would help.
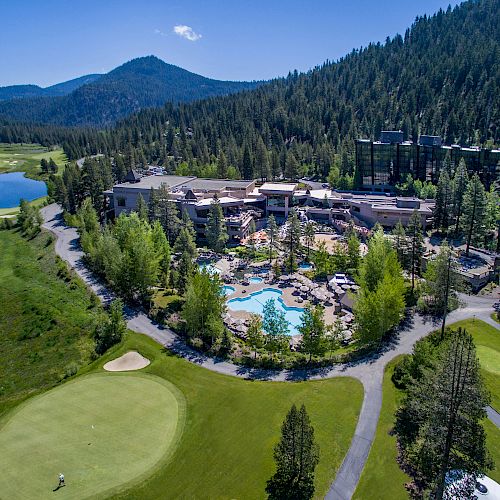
(382, 478)
(102, 431)
(26, 158)
(46, 318)
(232, 426)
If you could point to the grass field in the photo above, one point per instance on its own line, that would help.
(382, 478)
(46, 319)
(26, 158)
(232, 426)
(89, 429)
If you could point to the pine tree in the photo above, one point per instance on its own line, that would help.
(292, 239)
(443, 206)
(309, 234)
(216, 227)
(247, 164)
(416, 245)
(400, 243)
(141, 208)
(272, 233)
(460, 181)
(222, 166)
(439, 426)
(474, 211)
(168, 213)
(296, 457)
(262, 160)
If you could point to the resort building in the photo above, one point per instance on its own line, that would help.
(193, 195)
(243, 201)
(385, 162)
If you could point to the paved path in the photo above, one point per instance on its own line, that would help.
(369, 371)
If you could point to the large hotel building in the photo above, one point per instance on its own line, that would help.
(385, 162)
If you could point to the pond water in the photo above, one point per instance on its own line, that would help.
(14, 186)
(254, 303)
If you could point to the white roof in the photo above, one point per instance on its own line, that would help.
(224, 200)
(278, 187)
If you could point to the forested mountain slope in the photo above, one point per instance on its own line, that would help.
(441, 77)
(140, 83)
(59, 89)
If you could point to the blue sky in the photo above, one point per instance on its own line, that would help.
(46, 42)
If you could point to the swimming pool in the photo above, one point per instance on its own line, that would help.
(228, 290)
(254, 303)
(304, 266)
(254, 280)
(211, 268)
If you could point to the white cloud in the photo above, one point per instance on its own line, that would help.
(159, 32)
(186, 32)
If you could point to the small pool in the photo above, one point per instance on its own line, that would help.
(254, 280)
(304, 266)
(209, 267)
(228, 290)
(254, 303)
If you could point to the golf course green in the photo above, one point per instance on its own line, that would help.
(102, 431)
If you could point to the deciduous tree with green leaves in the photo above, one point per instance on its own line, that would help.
(313, 331)
(255, 338)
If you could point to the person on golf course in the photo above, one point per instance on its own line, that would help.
(61, 480)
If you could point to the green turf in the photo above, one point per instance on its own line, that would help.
(26, 158)
(382, 477)
(101, 431)
(46, 319)
(232, 426)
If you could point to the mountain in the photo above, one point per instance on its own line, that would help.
(441, 77)
(137, 84)
(59, 89)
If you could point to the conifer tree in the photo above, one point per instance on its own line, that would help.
(416, 245)
(292, 239)
(474, 211)
(439, 426)
(460, 181)
(443, 206)
(296, 457)
(272, 233)
(141, 208)
(216, 227)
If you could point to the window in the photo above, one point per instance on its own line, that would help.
(121, 201)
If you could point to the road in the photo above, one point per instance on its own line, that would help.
(369, 371)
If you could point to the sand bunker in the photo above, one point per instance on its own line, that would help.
(131, 360)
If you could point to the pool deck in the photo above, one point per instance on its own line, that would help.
(289, 299)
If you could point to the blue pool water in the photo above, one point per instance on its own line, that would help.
(228, 290)
(209, 267)
(255, 280)
(305, 266)
(14, 186)
(254, 303)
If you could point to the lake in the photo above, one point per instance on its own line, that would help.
(14, 186)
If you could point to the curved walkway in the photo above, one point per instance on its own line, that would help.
(369, 371)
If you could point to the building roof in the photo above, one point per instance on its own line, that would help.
(277, 188)
(132, 176)
(155, 181)
(197, 184)
(224, 201)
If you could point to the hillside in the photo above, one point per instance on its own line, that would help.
(137, 84)
(59, 89)
(441, 77)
